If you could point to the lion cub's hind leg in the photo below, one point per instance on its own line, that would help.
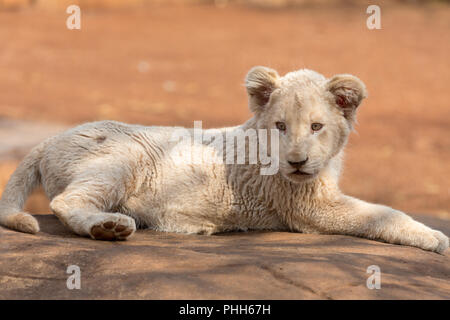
(83, 213)
(112, 226)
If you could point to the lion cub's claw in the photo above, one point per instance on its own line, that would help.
(113, 228)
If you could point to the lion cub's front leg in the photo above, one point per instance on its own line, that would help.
(355, 217)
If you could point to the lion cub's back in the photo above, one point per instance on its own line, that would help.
(67, 153)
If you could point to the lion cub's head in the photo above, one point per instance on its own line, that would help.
(314, 115)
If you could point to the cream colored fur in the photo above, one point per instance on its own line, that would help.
(104, 177)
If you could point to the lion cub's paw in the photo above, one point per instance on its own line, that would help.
(113, 227)
(431, 240)
(442, 239)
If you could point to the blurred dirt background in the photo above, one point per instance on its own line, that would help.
(173, 62)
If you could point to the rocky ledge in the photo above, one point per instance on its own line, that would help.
(253, 265)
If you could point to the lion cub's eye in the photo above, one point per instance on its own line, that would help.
(316, 126)
(281, 126)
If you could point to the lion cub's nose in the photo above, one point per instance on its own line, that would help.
(298, 164)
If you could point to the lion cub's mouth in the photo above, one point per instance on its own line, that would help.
(300, 173)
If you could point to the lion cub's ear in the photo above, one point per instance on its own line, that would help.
(260, 83)
(348, 92)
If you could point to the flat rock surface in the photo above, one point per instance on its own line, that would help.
(253, 265)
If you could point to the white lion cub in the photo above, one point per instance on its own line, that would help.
(105, 177)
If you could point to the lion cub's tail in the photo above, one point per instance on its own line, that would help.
(20, 185)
